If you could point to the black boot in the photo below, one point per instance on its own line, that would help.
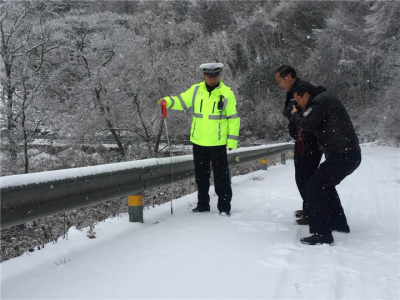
(201, 208)
(299, 213)
(318, 239)
(225, 212)
(343, 228)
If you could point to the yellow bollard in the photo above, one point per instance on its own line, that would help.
(264, 165)
(135, 208)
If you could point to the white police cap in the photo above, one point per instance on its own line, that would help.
(211, 69)
(211, 66)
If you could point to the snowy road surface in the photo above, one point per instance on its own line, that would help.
(254, 254)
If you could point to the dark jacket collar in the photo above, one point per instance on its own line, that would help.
(295, 84)
(211, 88)
(289, 94)
(318, 90)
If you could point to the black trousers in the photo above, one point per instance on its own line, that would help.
(325, 211)
(217, 155)
(305, 166)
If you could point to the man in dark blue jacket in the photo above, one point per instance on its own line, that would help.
(325, 116)
(307, 155)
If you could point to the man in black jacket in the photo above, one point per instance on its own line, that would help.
(307, 154)
(325, 116)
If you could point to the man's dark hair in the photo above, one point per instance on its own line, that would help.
(285, 71)
(304, 87)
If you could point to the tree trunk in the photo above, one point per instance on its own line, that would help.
(109, 124)
(146, 133)
(26, 159)
(10, 121)
(160, 130)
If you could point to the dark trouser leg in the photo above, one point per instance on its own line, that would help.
(337, 217)
(300, 182)
(202, 175)
(222, 181)
(305, 166)
(324, 206)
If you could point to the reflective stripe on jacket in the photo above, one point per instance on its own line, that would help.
(211, 126)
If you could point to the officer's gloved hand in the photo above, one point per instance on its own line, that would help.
(160, 102)
(287, 111)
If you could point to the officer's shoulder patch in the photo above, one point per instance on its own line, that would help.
(307, 112)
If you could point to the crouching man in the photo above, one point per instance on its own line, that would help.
(326, 117)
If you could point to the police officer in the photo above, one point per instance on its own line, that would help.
(319, 112)
(215, 127)
(307, 154)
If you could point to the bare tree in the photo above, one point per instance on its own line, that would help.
(95, 44)
(384, 36)
(26, 41)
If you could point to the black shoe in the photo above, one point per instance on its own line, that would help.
(345, 228)
(302, 221)
(317, 239)
(225, 212)
(299, 213)
(200, 209)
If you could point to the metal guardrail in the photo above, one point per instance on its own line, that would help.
(104, 140)
(28, 197)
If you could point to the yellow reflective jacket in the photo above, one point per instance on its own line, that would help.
(215, 119)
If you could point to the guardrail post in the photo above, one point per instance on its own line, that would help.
(283, 158)
(264, 165)
(135, 208)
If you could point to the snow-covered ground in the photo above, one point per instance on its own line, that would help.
(254, 254)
